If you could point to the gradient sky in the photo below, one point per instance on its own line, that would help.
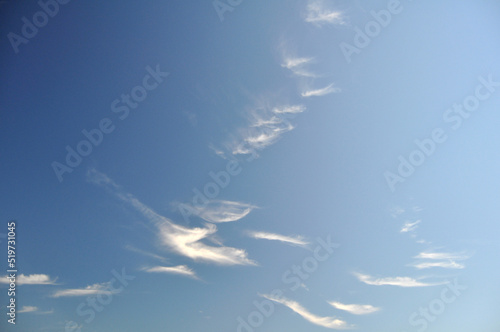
(309, 132)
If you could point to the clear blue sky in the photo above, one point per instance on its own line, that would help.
(306, 113)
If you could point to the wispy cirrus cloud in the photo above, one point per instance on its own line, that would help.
(410, 226)
(294, 240)
(266, 126)
(103, 288)
(292, 62)
(27, 308)
(356, 309)
(297, 65)
(318, 14)
(145, 253)
(31, 279)
(446, 265)
(320, 92)
(429, 259)
(33, 309)
(179, 269)
(328, 322)
(442, 255)
(289, 109)
(219, 211)
(393, 281)
(182, 240)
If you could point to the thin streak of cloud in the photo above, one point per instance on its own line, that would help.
(145, 253)
(356, 309)
(410, 226)
(318, 14)
(103, 288)
(179, 269)
(27, 308)
(266, 127)
(442, 256)
(289, 109)
(328, 322)
(393, 281)
(31, 279)
(295, 240)
(182, 240)
(297, 65)
(446, 265)
(292, 62)
(34, 310)
(320, 92)
(220, 211)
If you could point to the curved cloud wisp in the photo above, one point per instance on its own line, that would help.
(294, 240)
(182, 240)
(393, 281)
(356, 309)
(328, 322)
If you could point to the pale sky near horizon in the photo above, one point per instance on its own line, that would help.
(230, 165)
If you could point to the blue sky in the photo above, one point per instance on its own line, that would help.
(242, 166)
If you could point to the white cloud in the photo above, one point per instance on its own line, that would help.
(217, 151)
(27, 308)
(328, 322)
(219, 211)
(297, 65)
(410, 226)
(179, 269)
(318, 14)
(182, 240)
(393, 281)
(145, 253)
(187, 242)
(33, 309)
(447, 265)
(103, 288)
(296, 240)
(440, 259)
(292, 62)
(356, 309)
(320, 92)
(441, 256)
(289, 109)
(31, 279)
(266, 126)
